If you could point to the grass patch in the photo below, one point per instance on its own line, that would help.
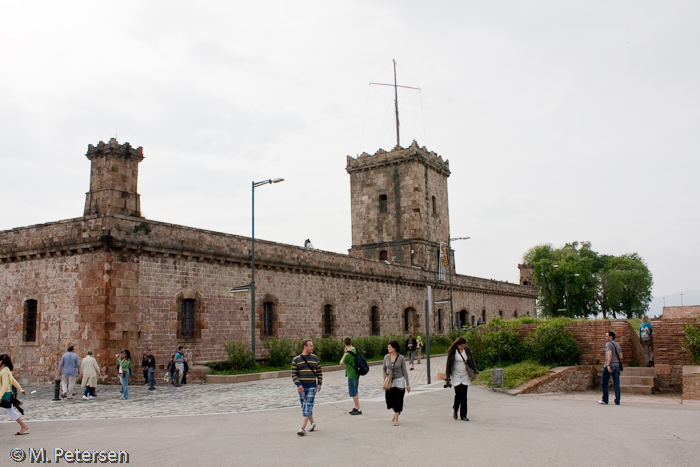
(515, 375)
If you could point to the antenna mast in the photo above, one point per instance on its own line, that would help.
(396, 100)
(396, 104)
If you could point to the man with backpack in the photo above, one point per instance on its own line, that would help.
(646, 338)
(350, 360)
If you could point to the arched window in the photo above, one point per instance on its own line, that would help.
(500, 313)
(383, 203)
(375, 321)
(515, 314)
(29, 322)
(187, 319)
(483, 316)
(383, 255)
(268, 319)
(327, 321)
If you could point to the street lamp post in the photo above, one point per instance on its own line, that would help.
(252, 261)
(449, 252)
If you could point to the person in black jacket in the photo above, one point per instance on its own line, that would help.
(460, 364)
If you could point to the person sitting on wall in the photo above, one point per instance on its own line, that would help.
(307, 244)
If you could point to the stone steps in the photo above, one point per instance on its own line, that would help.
(637, 380)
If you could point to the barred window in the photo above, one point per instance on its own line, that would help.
(375, 321)
(327, 321)
(268, 319)
(187, 328)
(29, 322)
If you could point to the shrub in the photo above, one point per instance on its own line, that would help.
(439, 343)
(691, 341)
(371, 347)
(328, 349)
(240, 357)
(497, 344)
(279, 351)
(552, 344)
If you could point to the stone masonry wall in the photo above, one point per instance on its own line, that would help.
(115, 282)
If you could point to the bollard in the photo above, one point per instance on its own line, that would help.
(56, 390)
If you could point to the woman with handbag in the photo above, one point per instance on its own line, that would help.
(395, 380)
(459, 371)
(8, 399)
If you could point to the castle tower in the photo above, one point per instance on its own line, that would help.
(113, 179)
(399, 206)
(527, 274)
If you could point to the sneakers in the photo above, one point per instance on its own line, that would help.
(601, 402)
(354, 411)
(301, 432)
(86, 398)
(313, 427)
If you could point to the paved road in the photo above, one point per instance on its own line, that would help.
(248, 424)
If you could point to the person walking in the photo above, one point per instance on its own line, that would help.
(180, 364)
(70, 365)
(308, 377)
(124, 362)
(395, 365)
(171, 370)
(419, 348)
(9, 402)
(613, 357)
(411, 348)
(144, 367)
(647, 340)
(90, 370)
(349, 361)
(151, 369)
(460, 364)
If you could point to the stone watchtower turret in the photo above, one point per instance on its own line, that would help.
(113, 179)
(399, 206)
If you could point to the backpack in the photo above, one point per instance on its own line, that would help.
(361, 366)
(645, 334)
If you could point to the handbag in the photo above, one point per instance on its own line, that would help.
(470, 371)
(389, 377)
(6, 401)
(618, 357)
(386, 384)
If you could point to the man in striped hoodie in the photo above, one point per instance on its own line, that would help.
(307, 375)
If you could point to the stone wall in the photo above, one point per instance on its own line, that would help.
(590, 336)
(669, 356)
(679, 312)
(110, 282)
(691, 384)
(561, 379)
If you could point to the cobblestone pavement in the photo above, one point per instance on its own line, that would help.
(208, 399)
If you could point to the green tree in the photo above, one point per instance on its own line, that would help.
(566, 278)
(626, 284)
(577, 282)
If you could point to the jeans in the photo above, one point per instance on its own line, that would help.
(125, 385)
(353, 383)
(616, 382)
(411, 354)
(151, 377)
(307, 401)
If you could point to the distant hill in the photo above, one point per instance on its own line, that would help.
(690, 297)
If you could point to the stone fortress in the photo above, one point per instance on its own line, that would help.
(112, 279)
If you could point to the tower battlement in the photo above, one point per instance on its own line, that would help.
(398, 155)
(114, 177)
(113, 148)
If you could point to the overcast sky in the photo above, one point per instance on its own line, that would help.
(561, 120)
